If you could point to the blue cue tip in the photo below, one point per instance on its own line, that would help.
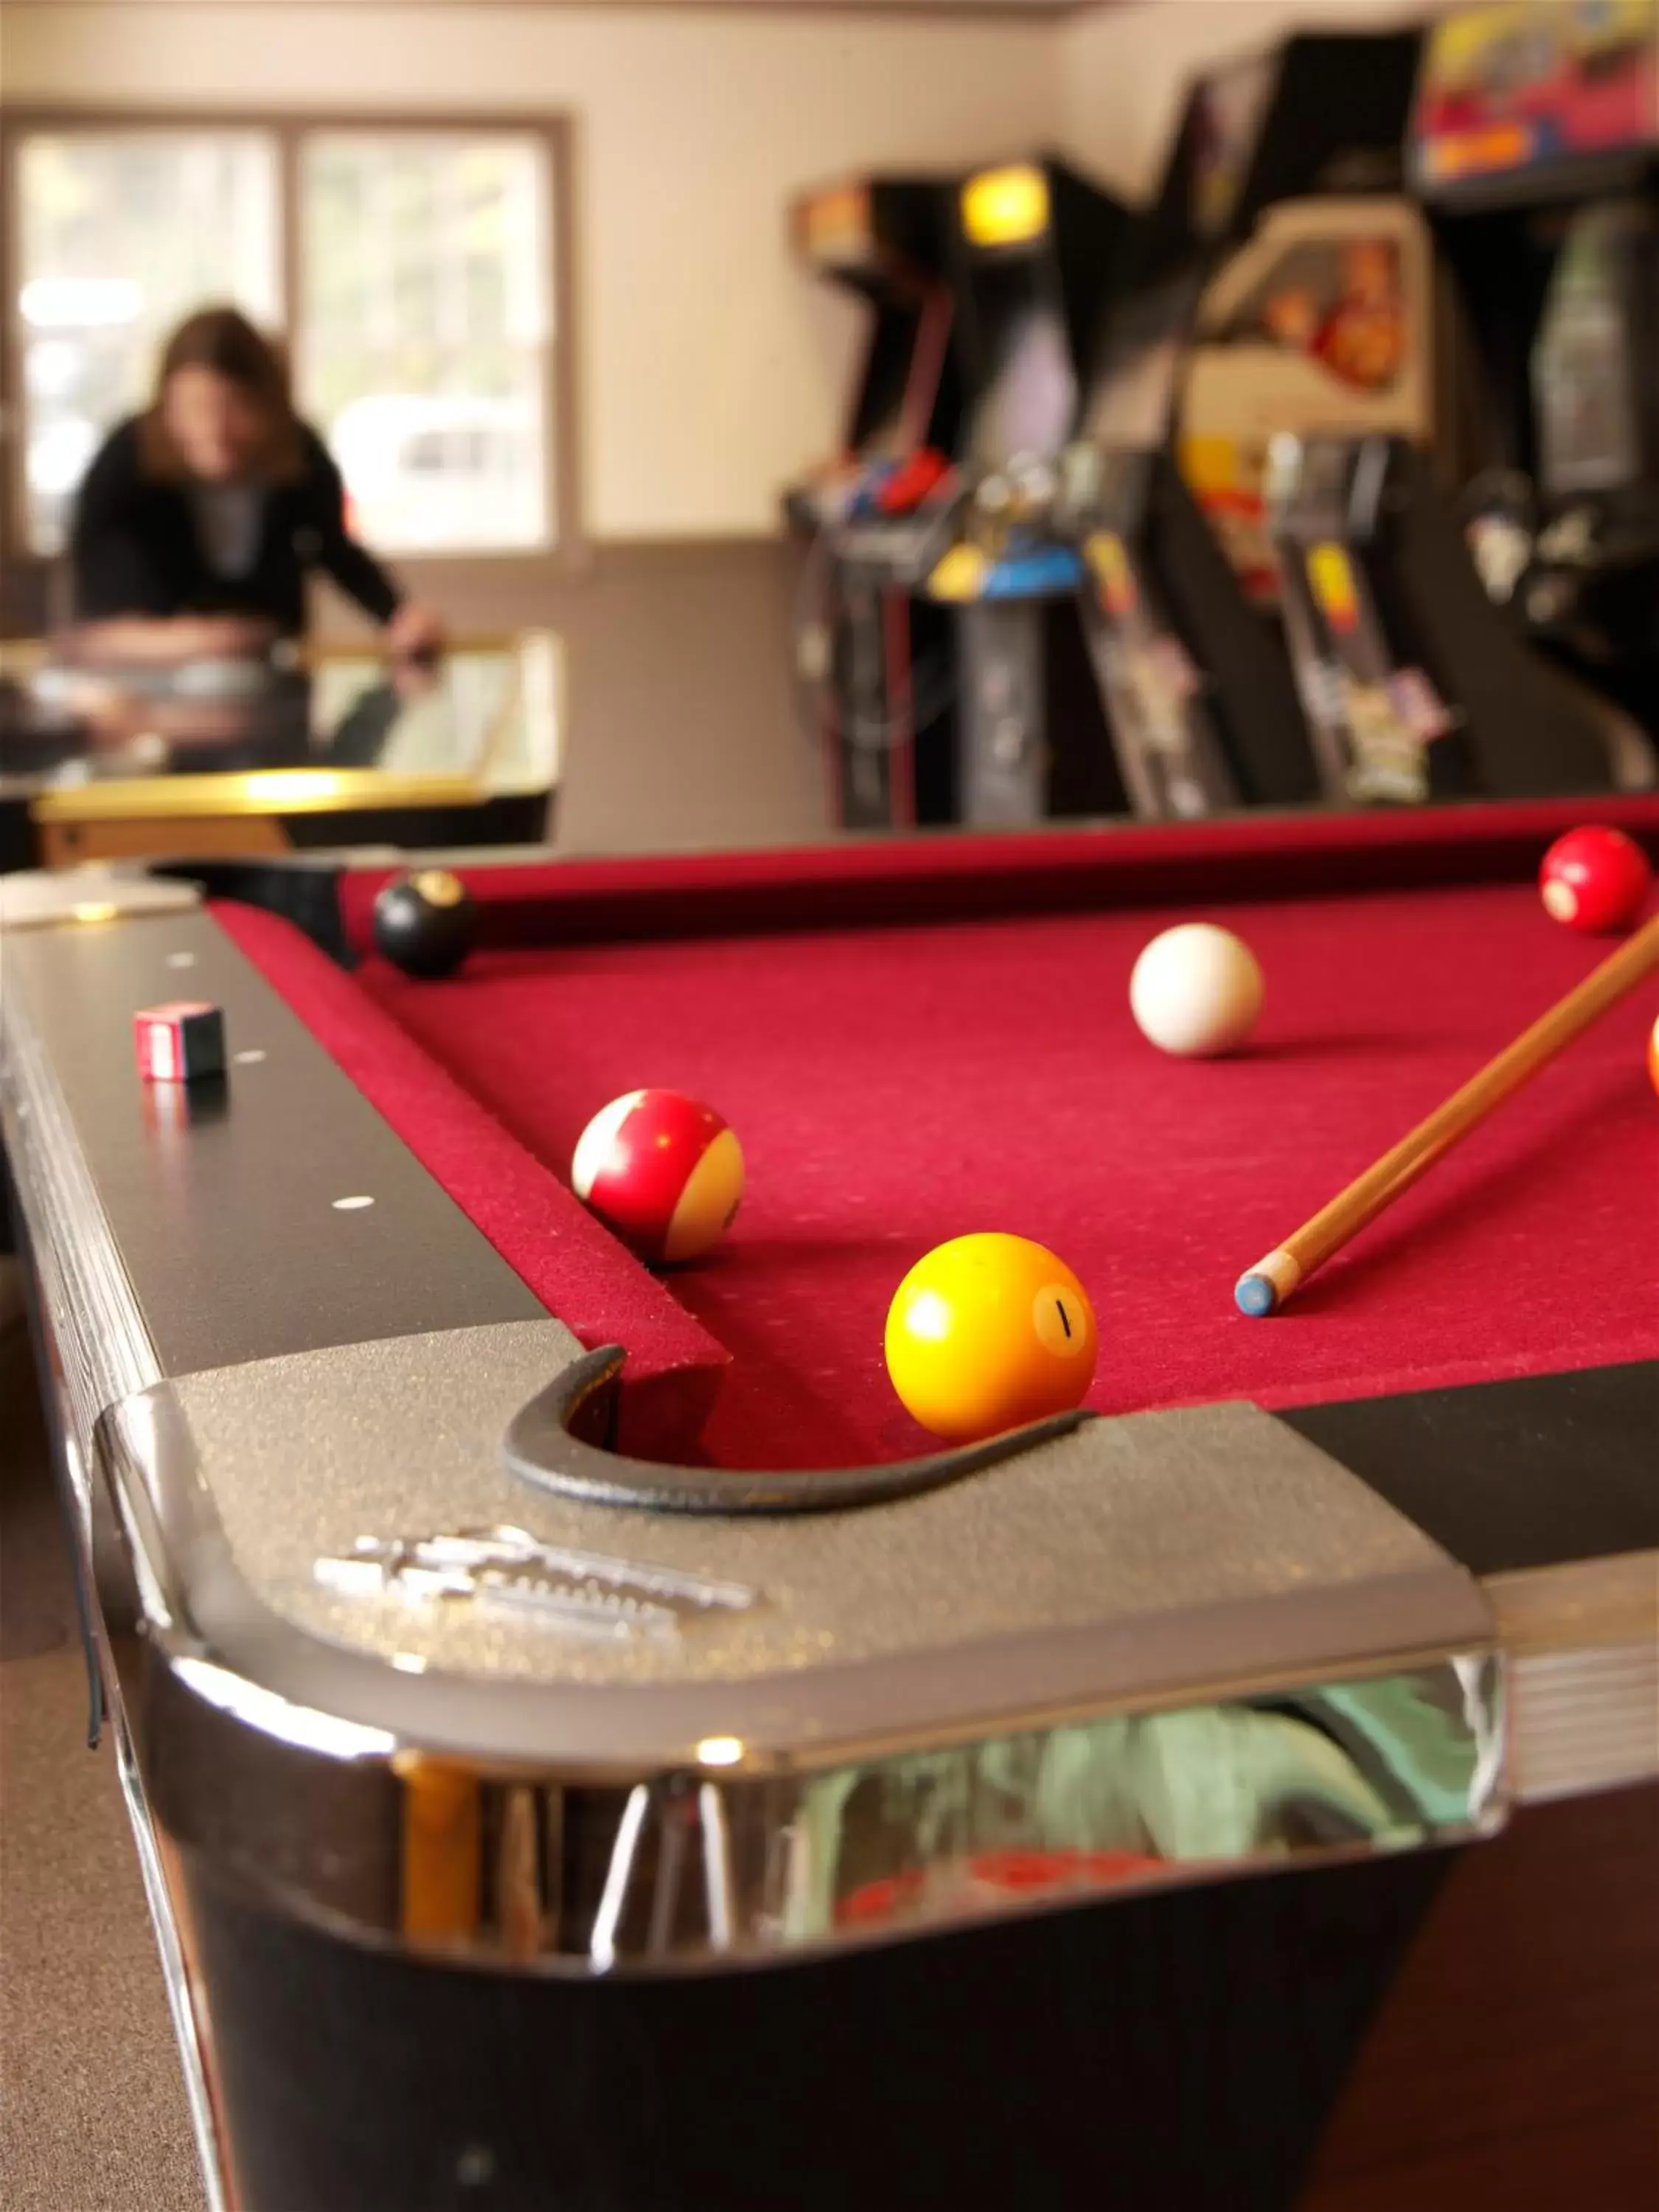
(1254, 1295)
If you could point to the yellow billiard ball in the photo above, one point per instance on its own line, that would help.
(988, 1332)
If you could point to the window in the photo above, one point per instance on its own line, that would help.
(418, 306)
(424, 321)
(121, 234)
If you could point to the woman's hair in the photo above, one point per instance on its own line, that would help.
(224, 340)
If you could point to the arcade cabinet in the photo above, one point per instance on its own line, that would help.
(1037, 250)
(874, 659)
(1203, 709)
(1535, 152)
(1315, 327)
(1334, 404)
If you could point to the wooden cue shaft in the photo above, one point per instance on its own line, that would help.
(1272, 1280)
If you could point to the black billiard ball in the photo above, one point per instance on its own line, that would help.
(424, 922)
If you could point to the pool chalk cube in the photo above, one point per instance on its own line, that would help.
(180, 1042)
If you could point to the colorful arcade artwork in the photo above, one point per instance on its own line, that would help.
(1528, 83)
(1319, 325)
(1343, 308)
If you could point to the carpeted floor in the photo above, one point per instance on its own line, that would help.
(92, 2116)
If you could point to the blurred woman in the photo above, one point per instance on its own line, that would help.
(199, 519)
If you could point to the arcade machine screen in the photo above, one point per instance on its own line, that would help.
(1339, 302)
(885, 425)
(1584, 369)
(1321, 342)
(1511, 87)
(1228, 108)
(1135, 395)
(1029, 392)
(866, 236)
(1536, 143)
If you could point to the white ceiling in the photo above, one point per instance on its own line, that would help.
(893, 7)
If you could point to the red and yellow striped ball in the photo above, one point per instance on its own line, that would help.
(662, 1171)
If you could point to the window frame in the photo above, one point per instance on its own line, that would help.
(566, 547)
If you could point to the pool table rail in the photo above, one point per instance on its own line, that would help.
(1111, 1665)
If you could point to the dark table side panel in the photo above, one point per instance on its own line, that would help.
(1530, 1472)
(219, 1196)
(1172, 2053)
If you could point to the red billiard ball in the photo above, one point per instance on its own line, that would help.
(1594, 879)
(662, 1171)
(1653, 1055)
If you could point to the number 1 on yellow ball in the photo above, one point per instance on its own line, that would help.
(988, 1332)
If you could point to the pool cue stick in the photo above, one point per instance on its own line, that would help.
(1272, 1280)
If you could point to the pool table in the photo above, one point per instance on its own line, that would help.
(589, 1749)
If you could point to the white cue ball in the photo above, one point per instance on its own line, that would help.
(1196, 989)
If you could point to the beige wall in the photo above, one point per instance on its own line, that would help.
(710, 369)
(1125, 71)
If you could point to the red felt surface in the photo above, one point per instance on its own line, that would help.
(527, 1213)
(894, 1086)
